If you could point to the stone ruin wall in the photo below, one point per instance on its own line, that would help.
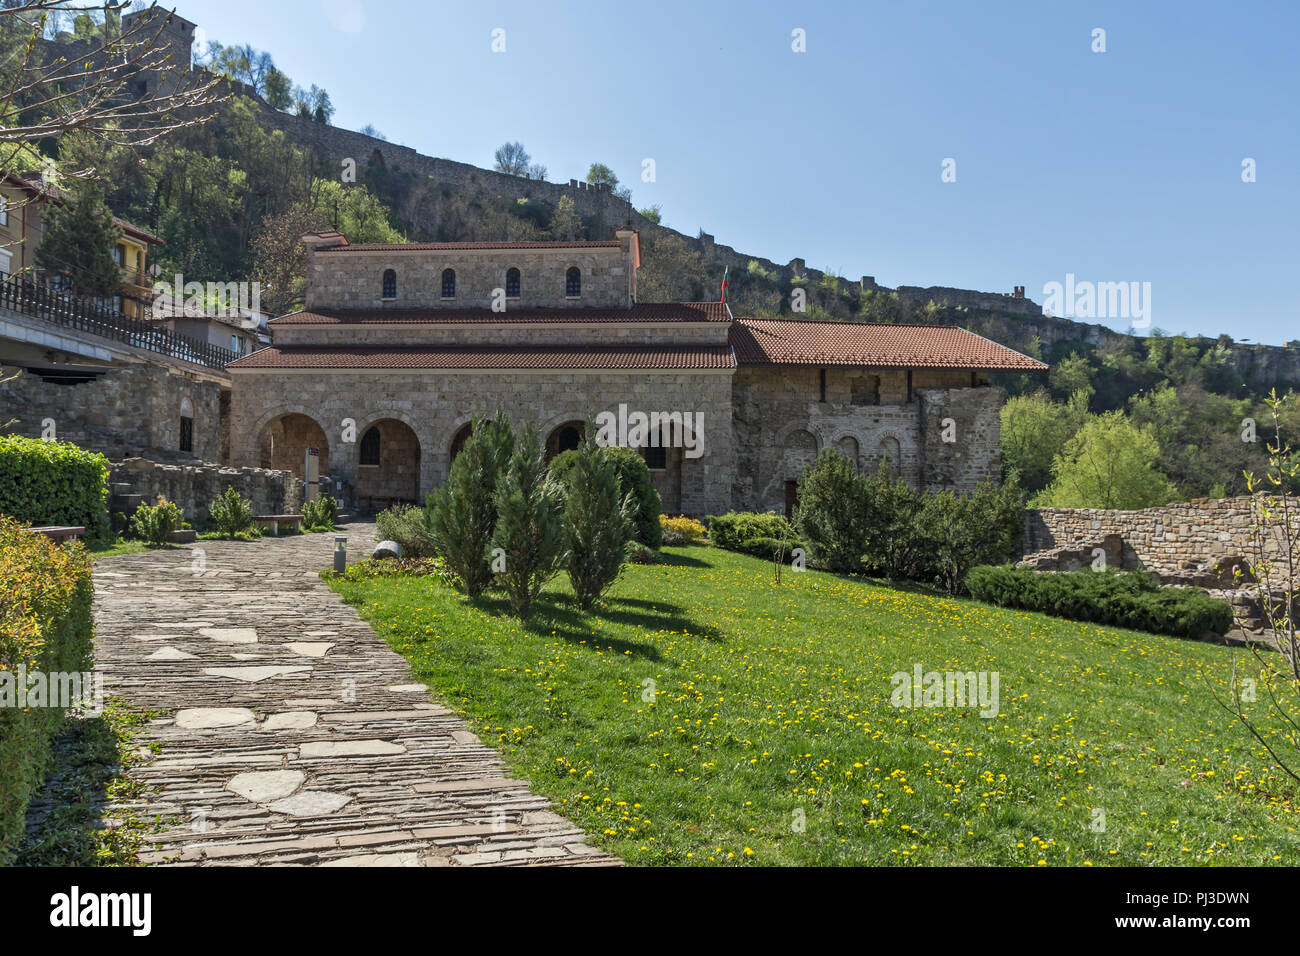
(1168, 541)
(193, 487)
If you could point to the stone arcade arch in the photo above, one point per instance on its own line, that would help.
(284, 439)
(390, 473)
(565, 437)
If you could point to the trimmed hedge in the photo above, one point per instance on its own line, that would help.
(54, 483)
(45, 625)
(1124, 599)
(732, 530)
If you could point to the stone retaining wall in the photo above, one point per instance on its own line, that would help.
(130, 410)
(1167, 540)
(193, 487)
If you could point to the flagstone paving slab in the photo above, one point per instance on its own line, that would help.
(298, 758)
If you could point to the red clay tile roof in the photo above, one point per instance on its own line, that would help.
(526, 357)
(463, 246)
(786, 342)
(641, 312)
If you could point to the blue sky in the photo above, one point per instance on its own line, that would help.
(1117, 166)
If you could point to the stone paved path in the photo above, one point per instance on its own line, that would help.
(293, 734)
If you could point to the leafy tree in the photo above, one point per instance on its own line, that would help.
(463, 512)
(512, 159)
(1108, 463)
(1034, 431)
(962, 531)
(278, 91)
(653, 213)
(599, 174)
(530, 523)
(321, 107)
(280, 259)
(1202, 439)
(565, 224)
(1071, 375)
(80, 236)
(598, 522)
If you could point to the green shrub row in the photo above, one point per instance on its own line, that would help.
(1123, 599)
(45, 625)
(54, 483)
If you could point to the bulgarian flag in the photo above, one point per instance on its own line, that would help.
(724, 285)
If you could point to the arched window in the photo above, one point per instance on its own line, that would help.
(370, 446)
(449, 283)
(187, 426)
(573, 283)
(390, 284)
(569, 439)
(512, 283)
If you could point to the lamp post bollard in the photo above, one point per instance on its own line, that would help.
(340, 553)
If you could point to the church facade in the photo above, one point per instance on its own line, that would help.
(398, 346)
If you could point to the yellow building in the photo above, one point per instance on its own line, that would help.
(22, 226)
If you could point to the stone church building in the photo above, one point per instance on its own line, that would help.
(399, 345)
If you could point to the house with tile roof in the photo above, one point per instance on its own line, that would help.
(398, 346)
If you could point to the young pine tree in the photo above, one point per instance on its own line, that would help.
(530, 523)
(463, 512)
(598, 521)
(80, 236)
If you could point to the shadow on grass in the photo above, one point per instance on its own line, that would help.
(559, 614)
(671, 559)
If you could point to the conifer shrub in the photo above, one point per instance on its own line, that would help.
(1131, 599)
(633, 479)
(530, 523)
(462, 514)
(597, 522)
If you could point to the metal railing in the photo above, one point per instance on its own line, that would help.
(42, 302)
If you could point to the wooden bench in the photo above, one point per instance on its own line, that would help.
(276, 520)
(59, 533)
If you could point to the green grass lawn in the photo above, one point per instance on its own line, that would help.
(768, 736)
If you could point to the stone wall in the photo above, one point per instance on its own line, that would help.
(343, 278)
(961, 431)
(1176, 538)
(193, 487)
(436, 403)
(780, 426)
(130, 410)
